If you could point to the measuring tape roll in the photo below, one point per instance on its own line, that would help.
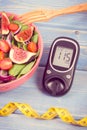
(51, 113)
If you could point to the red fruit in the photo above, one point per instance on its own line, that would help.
(2, 55)
(32, 47)
(4, 46)
(20, 56)
(6, 64)
(13, 27)
(4, 23)
(24, 35)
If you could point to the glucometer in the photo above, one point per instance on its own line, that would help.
(60, 67)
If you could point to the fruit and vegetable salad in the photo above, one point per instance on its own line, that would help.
(18, 48)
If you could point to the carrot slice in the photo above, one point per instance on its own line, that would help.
(2, 55)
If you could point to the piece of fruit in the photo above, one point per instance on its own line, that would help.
(25, 35)
(2, 55)
(13, 27)
(6, 64)
(20, 56)
(4, 46)
(32, 47)
(4, 23)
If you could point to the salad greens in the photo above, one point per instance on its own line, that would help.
(21, 40)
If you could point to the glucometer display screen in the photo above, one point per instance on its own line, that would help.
(62, 57)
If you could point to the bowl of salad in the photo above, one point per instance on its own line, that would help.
(21, 49)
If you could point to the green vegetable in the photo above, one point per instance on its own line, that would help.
(35, 38)
(12, 42)
(17, 22)
(19, 44)
(27, 68)
(11, 18)
(25, 47)
(23, 27)
(15, 70)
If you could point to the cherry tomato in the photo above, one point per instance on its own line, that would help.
(4, 46)
(13, 27)
(6, 64)
(32, 47)
(2, 55)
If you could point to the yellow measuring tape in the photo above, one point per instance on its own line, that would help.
(51, 113)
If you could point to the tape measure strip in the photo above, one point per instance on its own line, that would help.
(53, 112)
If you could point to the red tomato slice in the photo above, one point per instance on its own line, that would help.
(32, 47)
(2, 55)
(13, 27)
(6, 64)
(4, 46)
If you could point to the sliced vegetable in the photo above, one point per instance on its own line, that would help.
(4, 46)
(2, 55)
(13, 27)
(23, 27)
(6, 64)
(16, 22)
(32, 47)
(6, 78)
(3, 72)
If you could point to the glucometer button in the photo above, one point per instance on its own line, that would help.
(48, 72)
(68, 76)
(55, 86)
